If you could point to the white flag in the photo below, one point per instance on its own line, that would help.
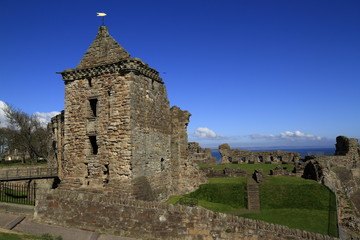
(101, 14)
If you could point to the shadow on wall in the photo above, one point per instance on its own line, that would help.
(142, 189)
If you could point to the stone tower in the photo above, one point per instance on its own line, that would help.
(119, 133)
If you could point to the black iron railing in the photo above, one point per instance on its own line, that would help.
(21, 193)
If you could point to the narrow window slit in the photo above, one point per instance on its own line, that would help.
(94, 144)
(93, 106)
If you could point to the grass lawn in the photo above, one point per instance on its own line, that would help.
(297, 203)
(251, 167)
(8, 235)
(290, 201)
(305, 219)
(219, 195)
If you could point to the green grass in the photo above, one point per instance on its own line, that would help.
(310, 220)
(235, 180)
(19, 236)
(227, 191)
(10, 236)
(297, 203)
(14, 193)
(290, 201)
(219, 195)
(11, 196)
(250, 168)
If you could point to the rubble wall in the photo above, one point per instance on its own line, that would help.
(155, 220)
(229, 155)
(200, 155)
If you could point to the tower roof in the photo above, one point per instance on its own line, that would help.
(103, 50)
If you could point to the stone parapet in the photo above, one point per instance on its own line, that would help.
(123, 66)
(155, 220)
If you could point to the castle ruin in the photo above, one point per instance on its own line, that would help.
(229, 155)
(120, 150)
(118, 132)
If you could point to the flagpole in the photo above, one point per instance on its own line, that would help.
(103, 17)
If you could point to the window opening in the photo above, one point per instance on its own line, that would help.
(106, 171)
(93, 106)
(94, 145)
(162, 164)
(87, 170)
(90, 82)
(261, 159)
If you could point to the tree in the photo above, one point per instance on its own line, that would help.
(26, 134)
(3, 141)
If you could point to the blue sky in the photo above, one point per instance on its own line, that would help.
(252, 73)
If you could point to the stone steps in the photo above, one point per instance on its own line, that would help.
(253, 196)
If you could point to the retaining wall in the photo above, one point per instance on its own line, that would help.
(112, 214)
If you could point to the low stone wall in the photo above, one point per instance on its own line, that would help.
(155, 220)
(17, 208)
(229, 155)
(200, 155)
(227, 172)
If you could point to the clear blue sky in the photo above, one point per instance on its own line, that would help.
(252, 73)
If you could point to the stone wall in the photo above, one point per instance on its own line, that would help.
(57, 129)
(185, 174)
(155, 220)
(118, 132)
(199, 154)
(229, 155)
(348, 147)
(226, 172)
(340, 173)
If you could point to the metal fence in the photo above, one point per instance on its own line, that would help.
(21, 193)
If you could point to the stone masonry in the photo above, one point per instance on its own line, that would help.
(199, 154)
(153, 220)
(118, 132)
(341, 173)
(229, 155)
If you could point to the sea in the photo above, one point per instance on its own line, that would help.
(302, 151)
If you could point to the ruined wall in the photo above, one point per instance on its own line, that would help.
(341, 174)
(150, 138)
(186, 175)
(118, 132)
(56, 159)
(348, 147)
(97, 131)
(229, 155)
(226, 172)
(156, 220)
(200, 155)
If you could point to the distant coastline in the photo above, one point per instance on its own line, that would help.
(302, 151)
